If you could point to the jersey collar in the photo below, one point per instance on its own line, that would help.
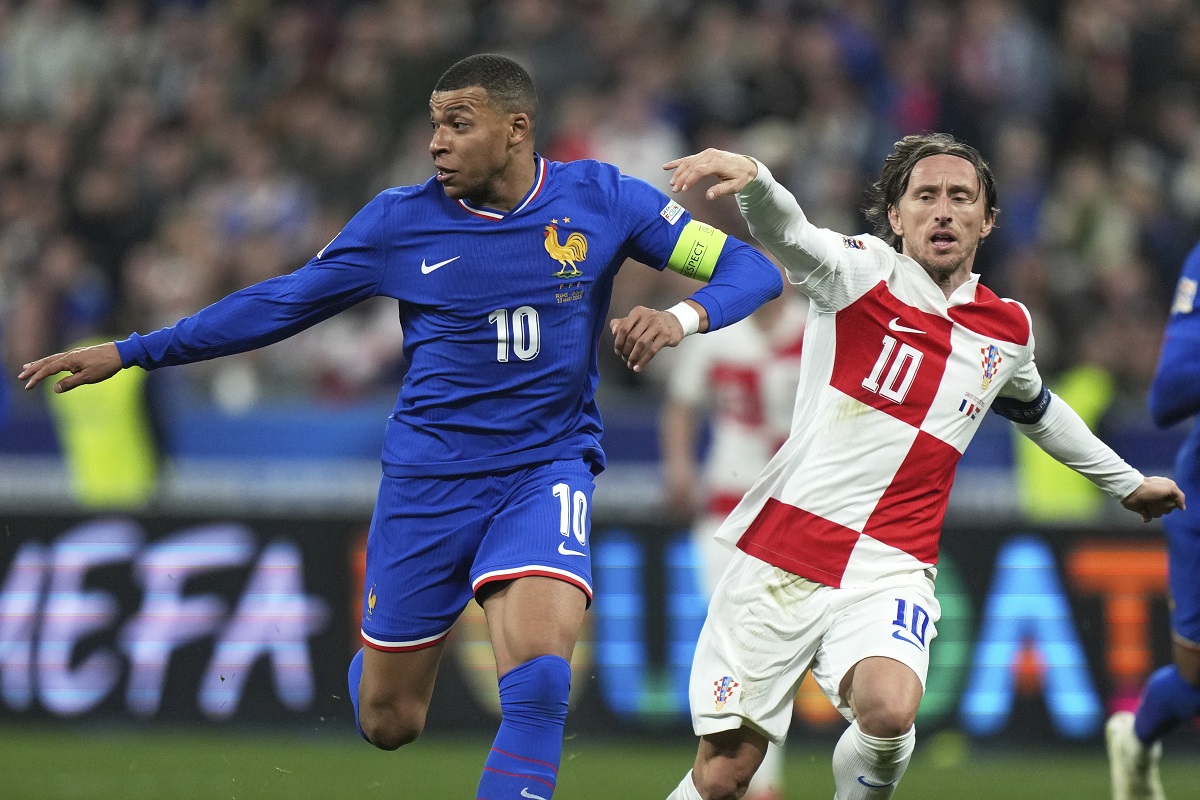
(538, 181)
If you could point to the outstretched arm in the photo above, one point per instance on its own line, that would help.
(86, 365)
(1056, 428)
(1175, 392)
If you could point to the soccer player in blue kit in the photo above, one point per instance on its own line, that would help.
(503, 265)
(1172, 694)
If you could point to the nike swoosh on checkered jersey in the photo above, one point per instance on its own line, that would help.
(898, 328)
(428, 268)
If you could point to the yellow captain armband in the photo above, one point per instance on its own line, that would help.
(697, 250)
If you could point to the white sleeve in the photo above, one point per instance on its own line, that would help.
(1064, 435)
(832, 269)
(807, 253)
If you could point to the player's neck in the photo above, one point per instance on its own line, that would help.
(948, 280)
(514, 184)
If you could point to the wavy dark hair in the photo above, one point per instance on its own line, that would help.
(898, 168)
(508, 85)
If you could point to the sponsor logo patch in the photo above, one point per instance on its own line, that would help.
(1185, 297)
(672, 212)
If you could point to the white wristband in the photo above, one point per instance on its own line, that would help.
(688, 317)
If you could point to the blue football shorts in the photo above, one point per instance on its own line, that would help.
(435, 541)
(1183, 575)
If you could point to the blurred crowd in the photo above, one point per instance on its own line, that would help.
(156, 155)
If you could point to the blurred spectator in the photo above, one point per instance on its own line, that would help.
(52, 52)
(154, 156)
(66, 299)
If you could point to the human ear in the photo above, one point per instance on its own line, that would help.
(894, 220)
(989, 222)
(519, 128)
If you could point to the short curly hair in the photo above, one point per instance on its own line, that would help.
(898, 168)
(508, 85)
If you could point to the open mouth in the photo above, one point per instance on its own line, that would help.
(943, 240)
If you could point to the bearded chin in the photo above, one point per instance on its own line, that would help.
(943, 269)
(939, 269)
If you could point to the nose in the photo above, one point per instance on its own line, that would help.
(942, 211)
(437, 143)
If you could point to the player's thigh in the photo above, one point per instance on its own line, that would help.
(763, 628)
(400, 681)
(1183, 575)
(540, 527)
(531, 617)
(896, 621)
(423, 539)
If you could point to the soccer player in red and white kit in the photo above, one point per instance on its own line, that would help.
(837, 541)
(742, 380)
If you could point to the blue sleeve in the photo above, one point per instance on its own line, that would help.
(742, 280)
(347, 271)
(1175, 391)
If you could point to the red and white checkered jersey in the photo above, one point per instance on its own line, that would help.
(744, 378)
(894, 381)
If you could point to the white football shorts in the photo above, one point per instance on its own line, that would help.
(766, 627)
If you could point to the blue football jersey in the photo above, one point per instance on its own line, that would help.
(501, 312)
(1175, 392)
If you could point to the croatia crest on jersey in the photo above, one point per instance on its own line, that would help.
(723, 690)
(991, 362)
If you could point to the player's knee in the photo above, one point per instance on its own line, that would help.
(887, 720)
(389, 728)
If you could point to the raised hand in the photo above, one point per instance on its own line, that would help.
(86, 365)
(732, 171)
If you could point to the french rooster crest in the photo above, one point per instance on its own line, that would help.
(567, 255)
